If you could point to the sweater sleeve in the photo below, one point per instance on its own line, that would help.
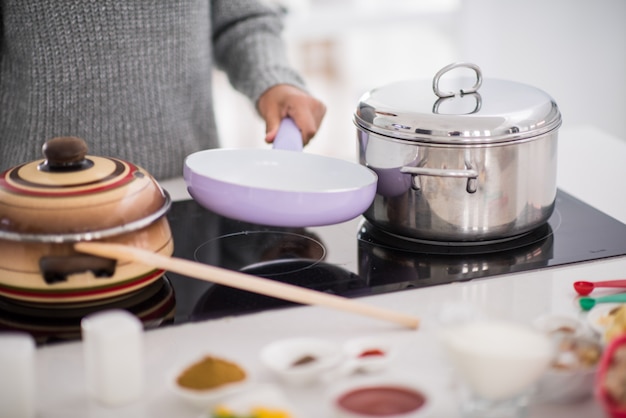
(248, 47)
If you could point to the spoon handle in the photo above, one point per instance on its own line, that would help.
(610, 283)
(619, 297)
(243, 281)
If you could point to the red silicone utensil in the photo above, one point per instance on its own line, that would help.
(584, 288)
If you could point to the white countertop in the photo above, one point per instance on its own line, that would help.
(591, 167)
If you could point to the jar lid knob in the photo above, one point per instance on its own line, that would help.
(65, 153)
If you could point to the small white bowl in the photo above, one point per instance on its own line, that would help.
(369, 354)
(301, 361)
(203, 398)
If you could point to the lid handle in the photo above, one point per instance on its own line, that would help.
(440, 73)
(65, 153)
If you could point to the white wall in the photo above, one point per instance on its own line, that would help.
(573, 49)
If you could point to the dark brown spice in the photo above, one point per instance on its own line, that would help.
(308, 359)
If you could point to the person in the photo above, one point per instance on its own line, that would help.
(133, 78)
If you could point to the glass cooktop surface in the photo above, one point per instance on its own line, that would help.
(351, 259)
(355, 259)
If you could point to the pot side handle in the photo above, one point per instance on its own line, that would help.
(55, 269)
(470, 173)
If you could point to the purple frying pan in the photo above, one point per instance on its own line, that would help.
(282, 186)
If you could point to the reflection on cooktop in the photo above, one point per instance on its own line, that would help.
(368, 233)
(372, 262)
(350, 259)
(424, 265)
(219, 301)
(154, 305)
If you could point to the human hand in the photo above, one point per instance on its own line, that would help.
(283, 100)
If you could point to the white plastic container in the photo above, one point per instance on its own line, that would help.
(17, 375)
(113, 351)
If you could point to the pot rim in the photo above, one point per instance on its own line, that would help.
(451, 141)
(73, 237)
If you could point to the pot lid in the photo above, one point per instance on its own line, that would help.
(468, 110)
(70, 196)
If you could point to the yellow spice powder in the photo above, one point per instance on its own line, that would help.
(209, 373)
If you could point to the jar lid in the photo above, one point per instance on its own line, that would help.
(71, 196)
(480, 111)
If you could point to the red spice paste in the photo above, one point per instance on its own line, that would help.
(381, 401)
(372, 352)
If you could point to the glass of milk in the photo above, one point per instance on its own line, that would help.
(498, 363)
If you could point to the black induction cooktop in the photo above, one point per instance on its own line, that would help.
(355, 259)
(350, 259)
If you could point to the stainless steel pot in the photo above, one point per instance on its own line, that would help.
(477, 165)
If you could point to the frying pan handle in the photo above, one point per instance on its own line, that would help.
(288, 136)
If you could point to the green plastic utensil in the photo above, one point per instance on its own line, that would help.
(588, 303)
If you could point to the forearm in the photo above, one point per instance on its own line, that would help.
(248, 47)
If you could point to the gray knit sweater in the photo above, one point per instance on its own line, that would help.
(132, 77)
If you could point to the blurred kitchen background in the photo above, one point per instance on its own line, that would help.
(575, 50)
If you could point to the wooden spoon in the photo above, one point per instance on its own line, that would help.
(242, 281)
